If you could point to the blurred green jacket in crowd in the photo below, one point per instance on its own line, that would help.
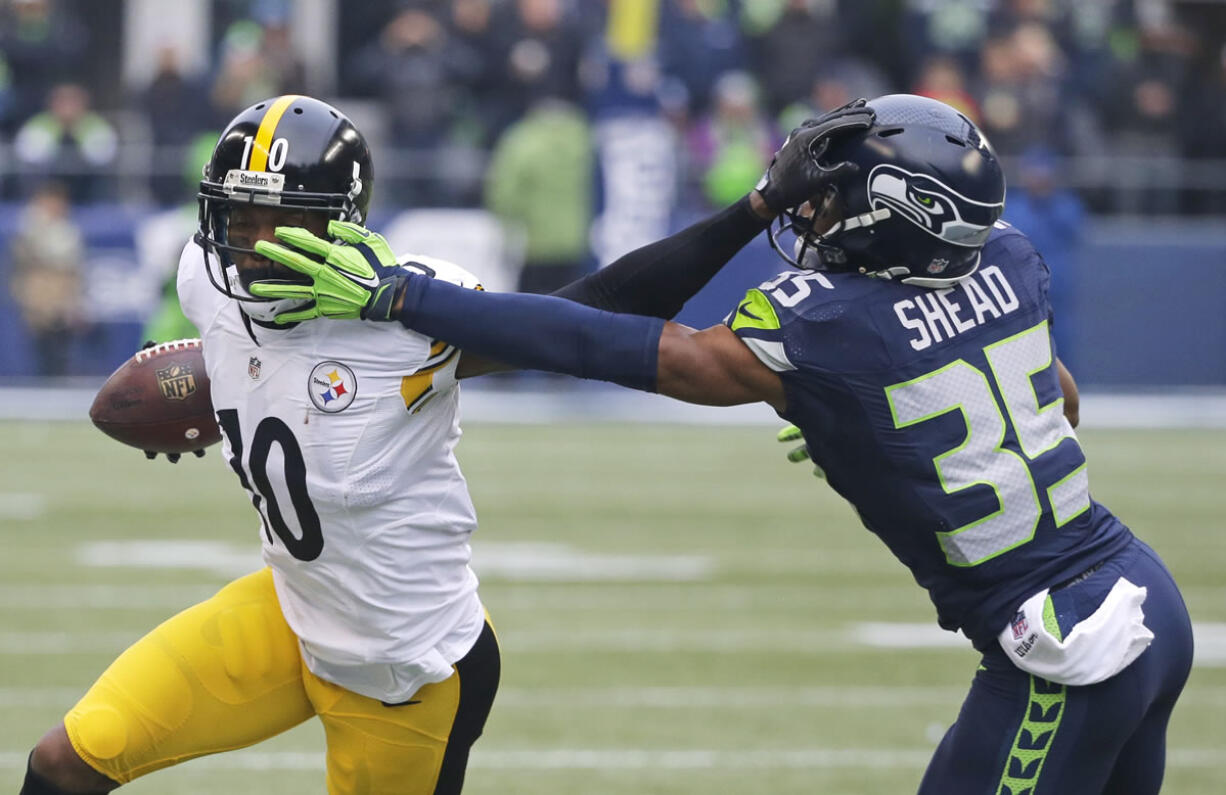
(168, 322)
(540, 181)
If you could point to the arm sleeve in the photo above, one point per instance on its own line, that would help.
(539, 332)
(657, 279)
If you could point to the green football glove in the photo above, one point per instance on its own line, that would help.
(357, 277)
(801, 453)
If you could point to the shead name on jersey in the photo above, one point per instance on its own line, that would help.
(937, 315)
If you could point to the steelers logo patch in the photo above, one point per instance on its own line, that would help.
(332, 387)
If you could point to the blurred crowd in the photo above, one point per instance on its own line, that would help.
(1141, 83)
(520, 107)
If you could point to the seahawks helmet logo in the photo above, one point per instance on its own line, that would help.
(932, 205)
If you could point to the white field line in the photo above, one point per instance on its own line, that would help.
(1189, 407)
(1210, 641)
(568, 597)
(807, 641)
(649, 697)
(103, 597)
(22, 506)
(23, 644)
(531, 561)
(636, 759)
(672, 698)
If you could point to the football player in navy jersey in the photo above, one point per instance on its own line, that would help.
(911, 345)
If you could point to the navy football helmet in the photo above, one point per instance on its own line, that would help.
(290, 152)
(918, 208)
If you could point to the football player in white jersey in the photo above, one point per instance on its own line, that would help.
(342, 434)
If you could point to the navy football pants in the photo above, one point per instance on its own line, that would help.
(1020, 735)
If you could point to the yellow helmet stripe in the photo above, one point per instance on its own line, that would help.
(268, 126)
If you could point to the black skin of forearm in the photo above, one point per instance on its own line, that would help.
(657, 279)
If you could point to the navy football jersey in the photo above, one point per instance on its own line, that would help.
(938, 414)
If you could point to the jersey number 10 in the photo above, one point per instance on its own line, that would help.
(272, 430)
(982, 458)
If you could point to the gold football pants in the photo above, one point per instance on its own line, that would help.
(226, 673)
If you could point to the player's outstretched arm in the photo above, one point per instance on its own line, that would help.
(532, 331)
(657, 279)
(713, 367)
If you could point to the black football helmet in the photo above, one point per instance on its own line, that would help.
(290, 152)
(920, 206)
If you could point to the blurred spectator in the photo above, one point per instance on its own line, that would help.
(942, 78)
(69, 141)
(837, 84)
(46, 281)
(1052, 217)
(472, 33)
(1021, 97)
(1206, 140)
(950, 27)
(540, 56)
(411, 69)
(253, 67)
(792, 52)
(42, 43)
(1143, 116)
(420, 73)
(176, 116)
(699, 41)
(281, 62)
(8, 95)
(540, 182)
(1006, 15)
(731, 147)
(168, 321)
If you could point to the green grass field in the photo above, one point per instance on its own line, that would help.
(681, 611)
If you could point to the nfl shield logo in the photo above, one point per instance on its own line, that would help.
(253, 368)
(1019, 625)
(176, 382)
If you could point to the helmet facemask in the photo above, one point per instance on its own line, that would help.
(234, 263)
(816, 246)
(231, 261)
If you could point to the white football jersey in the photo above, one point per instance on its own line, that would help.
(343, 433)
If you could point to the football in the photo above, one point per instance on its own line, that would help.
(159, 400)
